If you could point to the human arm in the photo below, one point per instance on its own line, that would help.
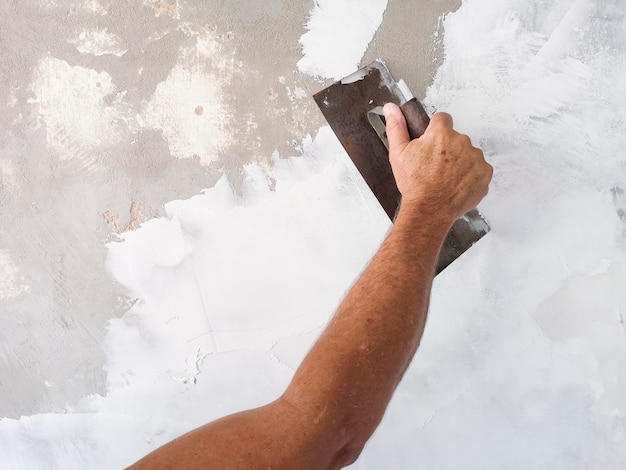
(341, 390)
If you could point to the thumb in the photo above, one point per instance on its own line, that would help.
(397, 132)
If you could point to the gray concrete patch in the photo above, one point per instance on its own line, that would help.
(410, 41)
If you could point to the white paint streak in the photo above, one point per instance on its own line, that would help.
(338, 33)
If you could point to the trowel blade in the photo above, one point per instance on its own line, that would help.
(348, 106)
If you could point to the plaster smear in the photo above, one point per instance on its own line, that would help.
(99, 42)
(188, 106)
(74, 106)
(339, 32)
(8, 177)
(12, 283)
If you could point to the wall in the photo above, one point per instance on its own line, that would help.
(159, 246)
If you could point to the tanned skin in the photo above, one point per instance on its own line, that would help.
(340, 392)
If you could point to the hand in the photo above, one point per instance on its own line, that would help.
(440, 169)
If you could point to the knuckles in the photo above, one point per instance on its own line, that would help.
(442, 157)
(465, 140)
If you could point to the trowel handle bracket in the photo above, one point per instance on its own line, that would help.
(416, 118)
(379, 124)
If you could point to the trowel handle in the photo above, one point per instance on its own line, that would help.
(417, 119)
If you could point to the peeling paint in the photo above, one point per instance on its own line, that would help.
(136, 219)
(163, 7)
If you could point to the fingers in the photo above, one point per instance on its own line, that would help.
(441, 119)
(397, 132)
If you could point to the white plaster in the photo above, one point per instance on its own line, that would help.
(217, 236)
(338, 33)
(71, 103)
(8, 176)
(12, 100)
(98, 42)
(12, 283)
(91, 6)
(299, 93)
(197, 80)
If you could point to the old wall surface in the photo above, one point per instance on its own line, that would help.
(178, 223)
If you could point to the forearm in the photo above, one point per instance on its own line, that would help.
(339, 394)
(349, 376)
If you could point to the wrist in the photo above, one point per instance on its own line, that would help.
(420, 212)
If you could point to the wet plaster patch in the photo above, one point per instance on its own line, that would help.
(337, 36)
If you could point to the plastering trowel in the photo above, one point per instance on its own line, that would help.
(353, 108)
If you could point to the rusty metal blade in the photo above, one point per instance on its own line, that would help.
(348, 106)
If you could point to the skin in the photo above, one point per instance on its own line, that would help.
(341, 390)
